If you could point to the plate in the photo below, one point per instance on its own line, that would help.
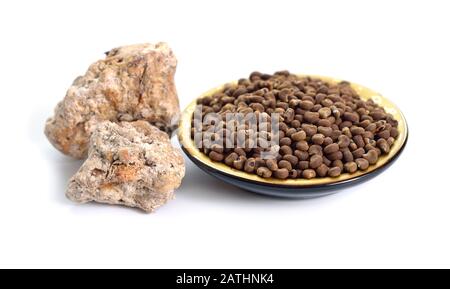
(294, 188)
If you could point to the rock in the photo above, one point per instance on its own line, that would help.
(132, 83)
(131, 164)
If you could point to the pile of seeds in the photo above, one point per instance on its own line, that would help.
(325, 129)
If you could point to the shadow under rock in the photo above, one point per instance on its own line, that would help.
(64, 168)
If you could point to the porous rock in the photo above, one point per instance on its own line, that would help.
(132, 83)
(131, 164)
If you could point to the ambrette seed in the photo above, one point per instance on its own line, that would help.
(325, 129)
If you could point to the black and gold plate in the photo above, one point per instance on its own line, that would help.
(294, 188)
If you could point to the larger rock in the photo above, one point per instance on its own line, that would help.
(132, 83)
(131, 164)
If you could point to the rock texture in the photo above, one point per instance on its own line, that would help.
(131, 164)
(132, 83)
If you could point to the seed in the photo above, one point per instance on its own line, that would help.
(281, 173)
(362, 164)
(350, 167)
(231, 158)
(250, 165)
(309, 129)
(302, 145)
(315, 161)
(358, 139)
(357, 130)
(343, 141)
(334, 172)
(283, 164)
(383, 145)
(293, 174)
(286, 150)
(215, 156)
(298, 136)
(331, 148)
(264, 172)
(347, 155)
(318, 138)
(291, 158)
(239, 163)
(322, 170)
(326, 131)
(371, 156)
(335, 156)
(311, 117)
(324, 112)
(384, 134)
(285, 141)
(302, 155)
(309, 174)
(353, 117)
(358, 153)
(303, 165)
(306, 104)
(315, 150)
(272, 164)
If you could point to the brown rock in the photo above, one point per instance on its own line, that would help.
(132, 83)
(131, 164)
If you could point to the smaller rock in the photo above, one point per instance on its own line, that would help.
(131, 164)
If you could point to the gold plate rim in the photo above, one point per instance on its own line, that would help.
(184, 137)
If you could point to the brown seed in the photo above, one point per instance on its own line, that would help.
(331, 148)
(310, 129)
(311, 117)
(328, 140)
(285, 141)
(284, 164)
(326, 131)
(264, 172)
(347, 155)
(334, 172)
(335, 156)
(286, 150)
(315, 161)
(306, 104)
(358, 139)
(357, 130)
(362, 164)
(383, 145)
(353, 117)
(315, 150)
(231, 158)
(302, 145)
(272, 164)
(250, 165)
(298, 136)
(318, 138)
(324, 112)
(309, 174)
(384, 134)
(322, 170)
(303, 165)
(215, 156)
(302, 155)
(281, 173)
(358, 153)
(343, 141)
(239, 163)
(293, 174)
(350, 167)
(371, 156)
(292, 159)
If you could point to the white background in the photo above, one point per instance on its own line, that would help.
(399, 219)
